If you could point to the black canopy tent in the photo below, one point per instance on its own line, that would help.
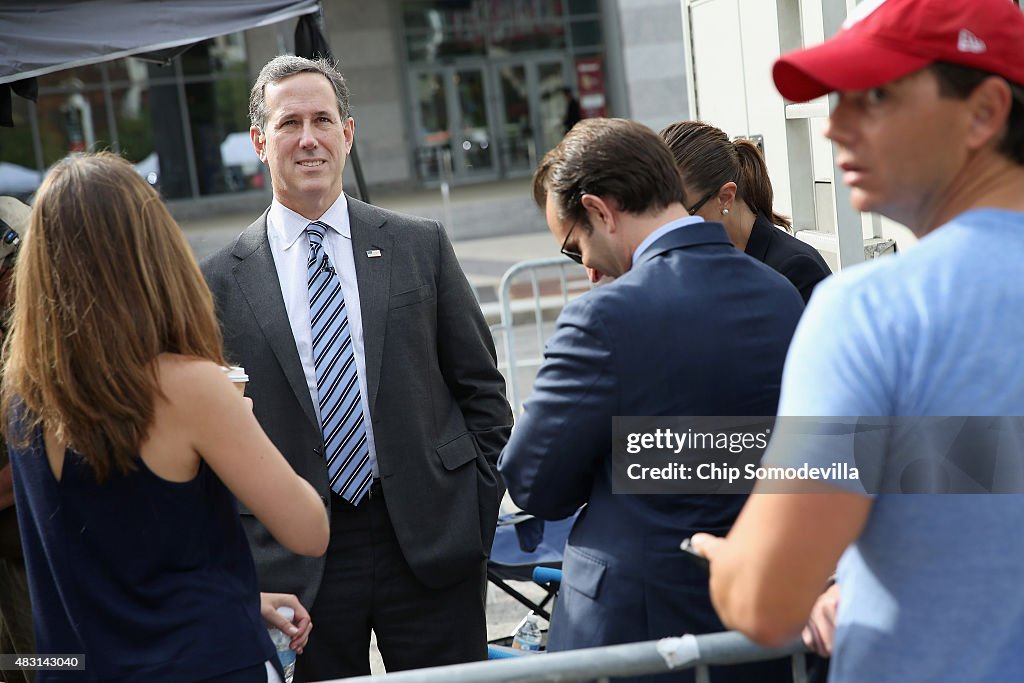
(39, 37)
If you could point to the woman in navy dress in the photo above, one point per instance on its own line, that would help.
(129, 446)
(727, 182)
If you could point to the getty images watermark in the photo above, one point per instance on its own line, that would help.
(730, 455)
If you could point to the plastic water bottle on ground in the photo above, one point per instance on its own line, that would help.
(527, 636)
(282, 641)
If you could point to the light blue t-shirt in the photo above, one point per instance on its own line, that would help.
(933, 590)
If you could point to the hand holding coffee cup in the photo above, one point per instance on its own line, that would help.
(237, 375)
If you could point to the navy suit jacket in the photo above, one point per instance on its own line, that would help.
(695, 328)
(798, 261)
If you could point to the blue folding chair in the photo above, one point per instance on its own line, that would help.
(527, 549)
(523, 542)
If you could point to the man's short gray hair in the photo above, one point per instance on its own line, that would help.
(283, 66)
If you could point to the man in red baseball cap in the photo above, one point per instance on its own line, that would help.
(929, 131)
(883, 41)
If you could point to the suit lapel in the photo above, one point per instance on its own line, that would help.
(257, 278)
(373, 273)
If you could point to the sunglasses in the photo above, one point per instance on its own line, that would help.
(573, 255)
(696, 207)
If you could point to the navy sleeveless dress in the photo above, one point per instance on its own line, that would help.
(151, 580)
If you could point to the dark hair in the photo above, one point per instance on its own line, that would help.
(958, 81)
(614, 158)
(283, 66)
(708, 159)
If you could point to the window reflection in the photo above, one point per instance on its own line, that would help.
(490, 77)
(436, 30)
(19, 174)
(435, 149)
(517, 151)
(476, 141)
(184, 126)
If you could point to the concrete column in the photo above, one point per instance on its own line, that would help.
(364, 39)
(653, 59)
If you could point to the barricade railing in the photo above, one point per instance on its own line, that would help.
(601, 663)
(556, 268)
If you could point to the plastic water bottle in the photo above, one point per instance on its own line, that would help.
(527, 636)
(282, 641)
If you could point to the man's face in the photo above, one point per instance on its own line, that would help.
(594, 243)
(305, 143)
(900, 147)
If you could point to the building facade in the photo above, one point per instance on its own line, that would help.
(461, 91)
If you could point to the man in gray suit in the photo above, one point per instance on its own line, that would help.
(373, 371)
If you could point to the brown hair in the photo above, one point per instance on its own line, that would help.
(958, 82)
(105, 282)
(283, 66)
(610, 158)
(708, 159)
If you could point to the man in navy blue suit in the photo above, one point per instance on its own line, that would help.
(689, 327)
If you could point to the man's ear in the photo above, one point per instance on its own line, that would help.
(989, 106)
(259, 143)
(349, 133)
(599, 208)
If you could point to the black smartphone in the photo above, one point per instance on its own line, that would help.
(687, 547)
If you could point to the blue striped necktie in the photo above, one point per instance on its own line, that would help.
(337, 381)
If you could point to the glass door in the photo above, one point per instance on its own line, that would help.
(482, 120)
(474, 155)
(453, 123)
(433, 149)
(551, 82)
(531, 112)
(515, 136)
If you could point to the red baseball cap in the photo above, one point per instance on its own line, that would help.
(883, 40)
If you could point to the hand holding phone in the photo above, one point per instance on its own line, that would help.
(687, 547)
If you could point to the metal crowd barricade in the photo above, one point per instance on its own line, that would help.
(632, 659)
(539, 272)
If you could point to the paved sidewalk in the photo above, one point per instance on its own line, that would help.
(493, 210)
(484, 258)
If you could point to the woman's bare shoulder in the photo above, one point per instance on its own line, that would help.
(187, 377)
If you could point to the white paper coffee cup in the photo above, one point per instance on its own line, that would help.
(237, 375)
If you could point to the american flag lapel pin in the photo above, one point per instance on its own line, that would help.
(373, 253)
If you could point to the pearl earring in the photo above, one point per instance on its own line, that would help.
(725, 212)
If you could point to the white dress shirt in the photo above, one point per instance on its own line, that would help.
(289, 244)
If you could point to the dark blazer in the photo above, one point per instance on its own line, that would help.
(695, 328)
(437, 402)
(798, 261)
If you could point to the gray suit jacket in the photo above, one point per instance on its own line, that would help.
(437, 401)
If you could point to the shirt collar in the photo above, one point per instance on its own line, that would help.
(289, 225)
(667, 228)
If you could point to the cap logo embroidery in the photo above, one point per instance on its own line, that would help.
(968, 42)
(861, 12)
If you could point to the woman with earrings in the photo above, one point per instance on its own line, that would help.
(728, 182)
